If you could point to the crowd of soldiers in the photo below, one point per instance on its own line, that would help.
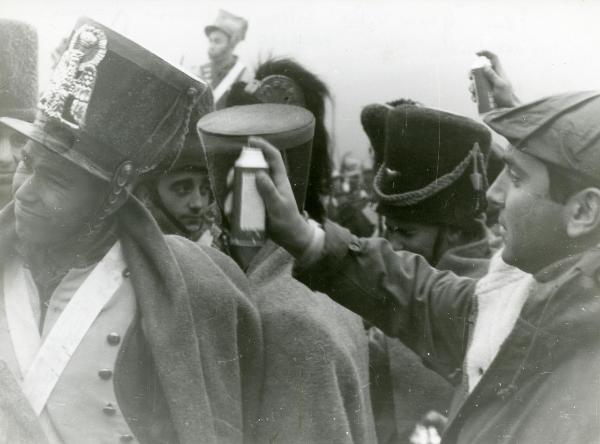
(450, 295)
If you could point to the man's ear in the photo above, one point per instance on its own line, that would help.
(143, 194)
(582, 213)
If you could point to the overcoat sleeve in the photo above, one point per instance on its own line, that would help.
(399, 292)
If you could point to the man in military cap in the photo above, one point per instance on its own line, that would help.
(414, 146)
(179, 196)
(431, 186)
(528, 366)
(316, 368)
(225, 68)
(18, 93)
(115, 332)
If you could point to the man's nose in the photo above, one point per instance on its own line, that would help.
(197, 200)
(496, 192)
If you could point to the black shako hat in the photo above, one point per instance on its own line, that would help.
(113, 107)
(290, 128)
(433, 169)
(18, 69)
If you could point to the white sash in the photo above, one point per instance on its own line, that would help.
(228, 80)
(44, 369)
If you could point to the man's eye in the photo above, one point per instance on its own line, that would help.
(26, 163)
(181, 190)
(514, 177)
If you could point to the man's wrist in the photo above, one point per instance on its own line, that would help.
(314, 250)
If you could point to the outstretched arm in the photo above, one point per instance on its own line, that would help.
(399, 292)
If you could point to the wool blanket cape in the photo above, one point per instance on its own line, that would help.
(316, 374)
(189, 366)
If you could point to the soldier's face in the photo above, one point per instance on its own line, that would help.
(56, 198)
(218, 44)
(11, 144)
(186, 195)
(415, 237)
(532, 225)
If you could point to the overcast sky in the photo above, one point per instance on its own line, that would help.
(366, 50)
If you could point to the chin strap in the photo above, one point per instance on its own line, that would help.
(117, 194)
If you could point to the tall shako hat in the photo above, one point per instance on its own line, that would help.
(434, 167)
(18, 70)
(285, 81)
(290, 128)
(113, 107)
(232, 25)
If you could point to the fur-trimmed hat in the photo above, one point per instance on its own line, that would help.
(372, 118)
(18, 70)
(433, 169)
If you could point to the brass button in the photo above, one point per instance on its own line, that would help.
(105, 373)
(113, 338)
(126, 273)
(355, 247)
(126, 438)
(109, 409)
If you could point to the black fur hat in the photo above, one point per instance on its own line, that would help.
(434, 167)
(18, 70)
(315, 93)
(372, 118)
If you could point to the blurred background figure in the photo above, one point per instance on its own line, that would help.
(225, 68)
(349, 201)
(18, 94)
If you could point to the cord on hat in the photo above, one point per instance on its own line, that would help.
(414, 197)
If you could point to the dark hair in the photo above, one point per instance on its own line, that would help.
(403, 101)
(564, 182)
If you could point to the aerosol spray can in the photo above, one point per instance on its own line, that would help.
(249, 216)
(483, 87)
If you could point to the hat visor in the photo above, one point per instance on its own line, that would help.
(38, 135)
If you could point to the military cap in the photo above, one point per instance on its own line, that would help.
(232, 25)
(434, 167)
(563, 130)
(113, 108)
(18, 69)
(288, 127)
